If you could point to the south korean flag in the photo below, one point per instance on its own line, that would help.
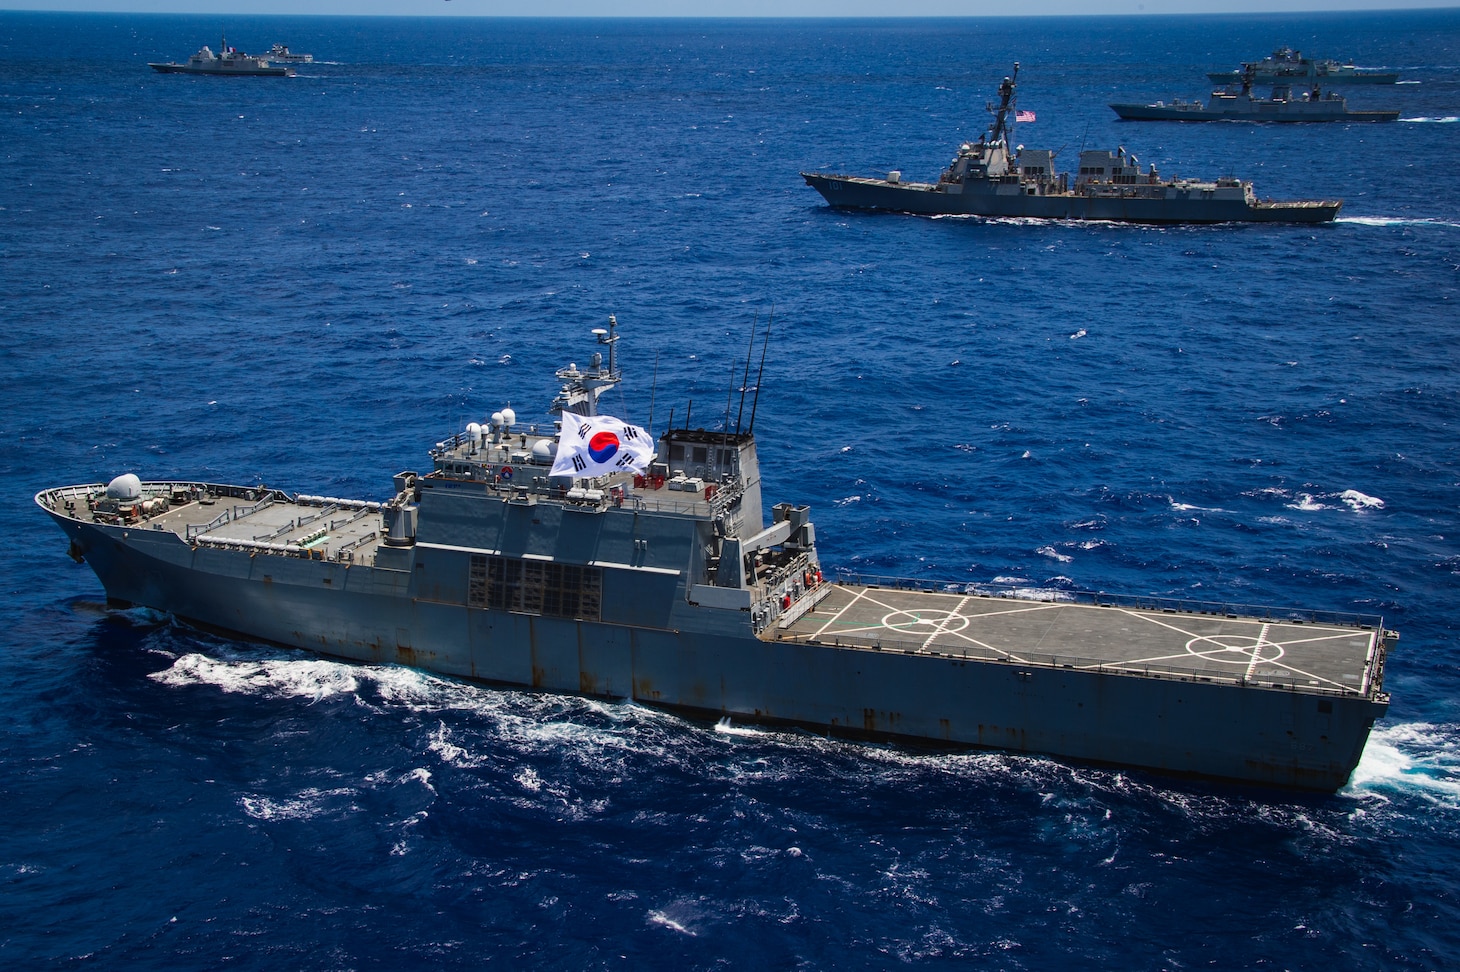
(594, 445)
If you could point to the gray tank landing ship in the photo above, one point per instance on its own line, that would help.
(667, 587)
(988, 178)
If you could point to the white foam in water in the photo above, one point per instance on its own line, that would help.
(1359, 501)
(1053, 554)
(1306, 503)
(1419, 758)
(724, 727)
(1393, 221)
(307, 805)
(311, 679)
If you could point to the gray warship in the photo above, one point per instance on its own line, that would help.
(227, 61)
(1286, 65)
(1283, 105)
(668, 587)
(992, 177)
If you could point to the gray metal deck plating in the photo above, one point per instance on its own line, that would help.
(1266, 652)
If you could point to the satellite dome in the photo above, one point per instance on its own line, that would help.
(125, 487)
(544, 450)
(496, 420)
(509, 416)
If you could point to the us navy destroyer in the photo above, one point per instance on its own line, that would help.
(993, 177)
(580, 555)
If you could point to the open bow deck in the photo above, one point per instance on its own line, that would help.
(665, 585)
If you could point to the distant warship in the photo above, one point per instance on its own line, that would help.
(989, 178)
(1286, 65)
(1311, 105)
(576, 555)
(282, 54)
(228, 61)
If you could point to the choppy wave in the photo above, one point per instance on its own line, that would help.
(1412, 759)
(1353, 499)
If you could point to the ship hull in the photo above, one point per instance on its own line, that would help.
(264, 72)
(707, 662)
(1297, 112)
(1368, 77)
(850, 192)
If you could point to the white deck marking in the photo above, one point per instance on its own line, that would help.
(1257, 650)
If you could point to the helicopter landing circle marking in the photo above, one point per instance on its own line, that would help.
(1234, 649)
(925, 622)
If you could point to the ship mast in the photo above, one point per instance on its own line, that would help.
(582, 387)
(1002, 127)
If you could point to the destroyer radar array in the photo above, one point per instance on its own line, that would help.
(647, 571)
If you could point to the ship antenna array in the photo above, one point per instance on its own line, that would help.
(653, 387)
(755, 402)
(745, 380)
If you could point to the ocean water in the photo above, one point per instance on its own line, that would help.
(309, 282)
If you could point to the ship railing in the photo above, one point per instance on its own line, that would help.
(1170, 605)
(276, 534)
(346, 551)
(1045, 661)
(779, 585)
(332, 508)
(196, 530)
(345, 521)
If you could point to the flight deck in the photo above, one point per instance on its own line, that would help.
(1263, 648)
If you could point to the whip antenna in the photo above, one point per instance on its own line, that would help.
(745, 382)
(755, 403)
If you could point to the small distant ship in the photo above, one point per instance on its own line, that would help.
(576, 555)
(1288, 65)
(228, 60)
(989, 178)
(282, 54)
(1283, 105)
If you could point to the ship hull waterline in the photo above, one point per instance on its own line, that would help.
(1137, 112)
(851, 192)
(707, 663)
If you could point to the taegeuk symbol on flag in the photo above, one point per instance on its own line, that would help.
(591, 445)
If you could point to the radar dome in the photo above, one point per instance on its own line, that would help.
(544, 450)
(496, 420)
(509, 416)
(124, 487)
(475, 431)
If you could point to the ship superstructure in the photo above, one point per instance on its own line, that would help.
(675, 587)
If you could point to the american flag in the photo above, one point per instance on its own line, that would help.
(1024, 116)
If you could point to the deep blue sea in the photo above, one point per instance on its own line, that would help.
(308, 282)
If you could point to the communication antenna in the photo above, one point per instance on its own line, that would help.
(745, 382)
(729, 397)
(755, 403)
(653, 386)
